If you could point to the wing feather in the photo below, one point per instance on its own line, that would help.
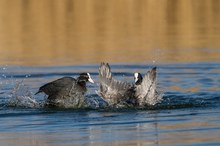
(146, 91)
(58, 85)
(110, 89)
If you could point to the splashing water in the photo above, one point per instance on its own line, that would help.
(22, 97)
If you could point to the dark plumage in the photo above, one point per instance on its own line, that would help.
(66, 91)
(116, 92)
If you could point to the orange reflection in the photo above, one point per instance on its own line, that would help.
(54, 32)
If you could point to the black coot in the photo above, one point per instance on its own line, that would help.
(67, 91)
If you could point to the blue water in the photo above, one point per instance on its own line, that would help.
(188, 115)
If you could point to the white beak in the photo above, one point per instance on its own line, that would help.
(135, 77)
(90, 79)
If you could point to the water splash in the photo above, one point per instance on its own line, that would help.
(95, 102)
(22, 97)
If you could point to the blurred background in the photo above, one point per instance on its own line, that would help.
(70, 32)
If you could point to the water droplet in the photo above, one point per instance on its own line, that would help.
(3, 75)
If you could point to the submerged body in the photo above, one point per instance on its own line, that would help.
(118, 93)
(66, 91)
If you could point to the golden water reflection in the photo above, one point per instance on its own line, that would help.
(55, 32)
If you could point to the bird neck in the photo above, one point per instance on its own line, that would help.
(81, 82)
(139, 81)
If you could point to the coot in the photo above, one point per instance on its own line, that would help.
(67, 91)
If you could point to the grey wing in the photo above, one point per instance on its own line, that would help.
(110, 89)
(59, 85)
(146, 91)
(105, 71)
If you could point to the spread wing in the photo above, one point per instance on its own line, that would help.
(113, 91)
(146, 91)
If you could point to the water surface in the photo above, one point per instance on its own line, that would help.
(188, 115)
(42, 40)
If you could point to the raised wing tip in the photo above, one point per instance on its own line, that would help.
(154, 69)
(153, 73)
(104, 64)
(105, 70)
